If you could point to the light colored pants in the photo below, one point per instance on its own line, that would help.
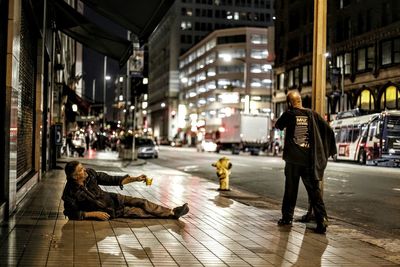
(141, 208)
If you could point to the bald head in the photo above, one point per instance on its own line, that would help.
(294, 98)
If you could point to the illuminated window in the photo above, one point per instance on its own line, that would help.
(258, 39)
(390, 99)
(365, 100)
(259, 53)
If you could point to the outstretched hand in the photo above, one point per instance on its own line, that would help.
(100, 215)
(130, 179)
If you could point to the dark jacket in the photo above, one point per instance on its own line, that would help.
(323, 144)
(90, 197)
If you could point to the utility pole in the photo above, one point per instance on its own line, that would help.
(104, 92)
(319, 61)
(319, 68)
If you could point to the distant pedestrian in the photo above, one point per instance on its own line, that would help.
(84, 199)
(309, 142)
(70, 145)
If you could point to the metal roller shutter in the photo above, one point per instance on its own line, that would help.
(26, 99)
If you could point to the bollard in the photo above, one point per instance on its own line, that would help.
(223, 171)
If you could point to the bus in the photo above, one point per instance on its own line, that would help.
(368, 139)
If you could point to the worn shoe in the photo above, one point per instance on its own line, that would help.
(307, 218)
(321, 228)
(180, 211)
(283, 222)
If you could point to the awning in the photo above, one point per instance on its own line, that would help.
(140, 17)
(73, 98)
(78, 27)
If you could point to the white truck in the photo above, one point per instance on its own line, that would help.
(244, 132)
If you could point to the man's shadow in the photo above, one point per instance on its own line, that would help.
(112, 241)
(312, 248)
(310, 253)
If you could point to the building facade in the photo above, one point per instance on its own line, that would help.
(186, 24)
(230, 71)
(37, 61)
(363, 58)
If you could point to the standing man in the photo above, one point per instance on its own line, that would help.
(309, 142)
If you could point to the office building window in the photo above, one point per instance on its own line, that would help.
(259, 53)
(290, 79)
(231, 69)
(187, 12)
(260, 68)
(296, 77)
(186, 25)
(281, 81)
(210, 58)
(390, 52)
(306, 77)
(210, 44)
(365, 58)
(231, 39)
(361, 66)
(258, 39)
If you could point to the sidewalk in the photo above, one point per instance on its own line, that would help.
(218, 231)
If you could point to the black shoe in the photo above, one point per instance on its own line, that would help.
(321, 228)
(307, 218)
(283, 222)
(180, 211)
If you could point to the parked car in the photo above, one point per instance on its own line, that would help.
(207, 145)
(146, 147)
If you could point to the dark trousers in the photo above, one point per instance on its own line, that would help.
(141, 208)
(293, 173)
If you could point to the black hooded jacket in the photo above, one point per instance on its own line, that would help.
(323, 143)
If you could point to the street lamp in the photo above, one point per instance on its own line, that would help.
(228, 58)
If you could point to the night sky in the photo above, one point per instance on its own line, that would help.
(93, 63)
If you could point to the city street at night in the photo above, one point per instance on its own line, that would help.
(200, 133)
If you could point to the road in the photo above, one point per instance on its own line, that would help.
(366, 196)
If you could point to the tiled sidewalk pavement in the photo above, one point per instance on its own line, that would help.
(217, 231)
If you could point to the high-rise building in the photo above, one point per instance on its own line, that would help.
(228, 72)
(363, 54)
(186, 23)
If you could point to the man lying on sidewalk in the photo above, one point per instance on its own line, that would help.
(84, 199)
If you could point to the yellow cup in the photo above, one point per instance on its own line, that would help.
(149, 181)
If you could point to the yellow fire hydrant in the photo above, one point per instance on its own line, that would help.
(223, 171)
